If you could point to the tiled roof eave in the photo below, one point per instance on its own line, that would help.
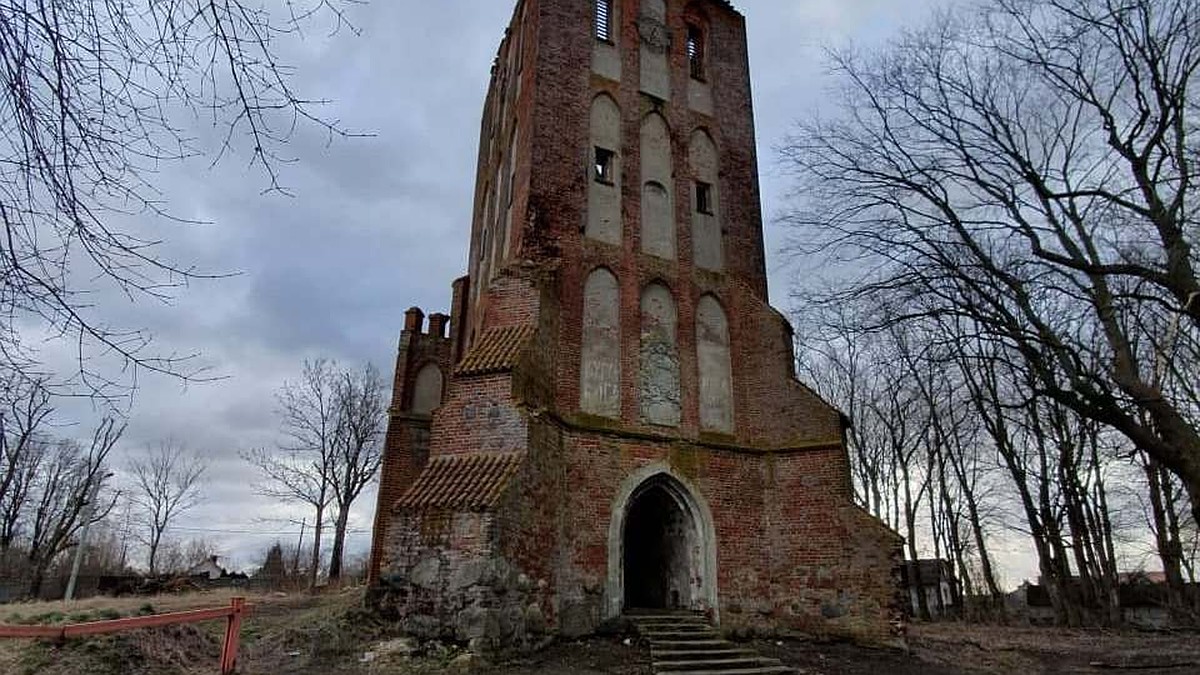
(496, 351)
(472, 482)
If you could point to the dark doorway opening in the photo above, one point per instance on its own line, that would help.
(658, 567)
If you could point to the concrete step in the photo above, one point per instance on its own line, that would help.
(676, 630)
(713, 664)
(753, 670)
(684, 643)
(658, 623)
(681, 635)
(702, 654)
(664, 625)
(683, 630)
(712, 643)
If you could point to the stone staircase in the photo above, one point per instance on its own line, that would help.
(683, 643)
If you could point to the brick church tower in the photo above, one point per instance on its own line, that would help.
(609, 418)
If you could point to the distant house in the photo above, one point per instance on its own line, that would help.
(935, 579)
(1031, 603)
(1143, 598)
(208, 568)
(1142, 577)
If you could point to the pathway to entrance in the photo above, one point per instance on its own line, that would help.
(684, 643)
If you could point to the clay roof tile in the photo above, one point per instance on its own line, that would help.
(496, 351)
(471, 482)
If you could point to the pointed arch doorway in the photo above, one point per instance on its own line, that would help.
(662, 549)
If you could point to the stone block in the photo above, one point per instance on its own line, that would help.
(427, 572)
(422, 625)
(535, 619)
(576, 618)
(512, 624)
(467, 574)
(476, 622)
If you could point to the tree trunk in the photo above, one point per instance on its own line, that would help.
(37, 578)
(154, 541)
(339, 544)
(1100, 522)
(314, 564)
(1166, 539)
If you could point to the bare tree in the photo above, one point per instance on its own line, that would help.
(933, 409)
(301, 469)
(361, 401)
(1030, 167)
(95, 98)
(1166, 523)
(167, 482)
(178, 557)
(23, 438)
(68, 477)
(333, 423)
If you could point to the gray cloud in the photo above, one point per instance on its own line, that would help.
(375, 225)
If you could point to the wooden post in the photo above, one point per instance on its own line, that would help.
(233, 630)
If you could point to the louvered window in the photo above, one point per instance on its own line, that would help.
(604, 20)
(695, 52)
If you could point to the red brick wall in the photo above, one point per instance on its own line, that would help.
(406, 443)
(479, 415)
(792, 554)
(792, 550)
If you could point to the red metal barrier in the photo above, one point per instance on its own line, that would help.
(229, 649)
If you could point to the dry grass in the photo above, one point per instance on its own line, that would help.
(26, 612)
(275, 619)
(328, 634)
(1007, 649)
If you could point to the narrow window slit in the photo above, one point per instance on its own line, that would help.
(604, 166)
(704, 198)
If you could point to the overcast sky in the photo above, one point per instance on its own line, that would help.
(380, 224)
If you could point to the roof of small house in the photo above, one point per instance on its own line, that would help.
(932, 570)
(470, 482)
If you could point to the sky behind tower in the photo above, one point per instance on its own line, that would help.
(381, 223)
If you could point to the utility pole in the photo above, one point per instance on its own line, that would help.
(89, 510)
(299, 545)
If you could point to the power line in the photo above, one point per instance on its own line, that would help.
(241, 530)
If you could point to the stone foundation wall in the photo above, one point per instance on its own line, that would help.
(444, 579)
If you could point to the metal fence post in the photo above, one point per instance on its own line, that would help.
(233, 630)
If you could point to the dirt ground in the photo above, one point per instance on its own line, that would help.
(331, 634)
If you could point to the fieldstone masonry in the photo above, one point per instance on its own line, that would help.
(609, 417)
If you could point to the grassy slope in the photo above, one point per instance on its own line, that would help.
(297, 634)
(302, 634)
(293, 631)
